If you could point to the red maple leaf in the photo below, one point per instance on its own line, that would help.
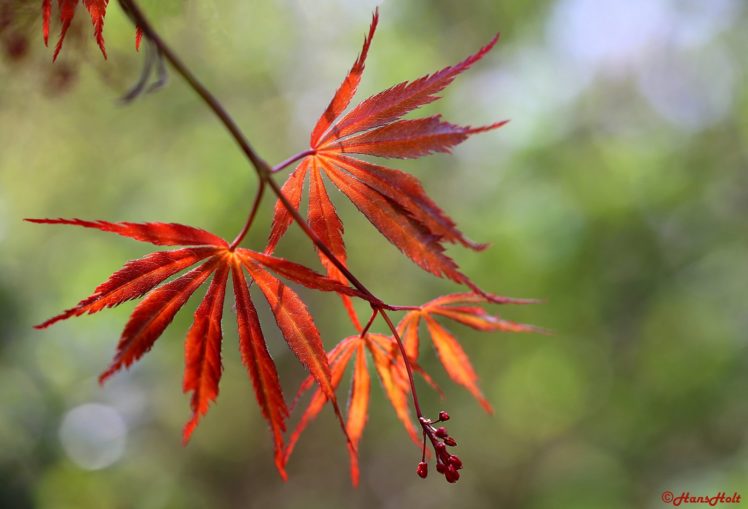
(387, 368)
(454, 359)
(97, 11)
(390, 367)
(96, 8)
(393, 201)
(146, 277)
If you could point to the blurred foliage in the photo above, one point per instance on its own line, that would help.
(618, 194)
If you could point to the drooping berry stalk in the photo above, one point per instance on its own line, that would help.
(446, 463)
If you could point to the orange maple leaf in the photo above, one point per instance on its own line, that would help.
(393, 201)
(97, 11)
(379, 348)
(96, 8)
(203, 345)
(454, 359)
(391, 369)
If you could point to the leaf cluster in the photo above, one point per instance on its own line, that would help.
(393, 201)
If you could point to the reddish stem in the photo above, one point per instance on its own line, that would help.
(406, 360)
(131, 8)
(288, 162)
(251, 217)
(321, 245)
(425, 423)
(374, 313)
(401, 308)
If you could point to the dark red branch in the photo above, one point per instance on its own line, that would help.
(264, 173)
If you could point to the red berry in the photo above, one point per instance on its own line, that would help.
(451, 474)
(450, 441)
(423, 469)
(454, 460)
(440, 468)
(441, 432)
(440, 447)
(443, 416)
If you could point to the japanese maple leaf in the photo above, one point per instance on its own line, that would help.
(97, 11)
(353, 349)
(214, 258)
(461, 308)
(391, 369)
(393, 201)
(96, 8)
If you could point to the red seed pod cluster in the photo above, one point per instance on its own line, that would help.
(447, 464)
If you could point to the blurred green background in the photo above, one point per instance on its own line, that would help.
(618, 194)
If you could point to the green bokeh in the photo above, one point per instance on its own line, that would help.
(618, 194)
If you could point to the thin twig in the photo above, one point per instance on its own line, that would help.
(288, 162)
(251, 217)
(374, 312)
(406, 361)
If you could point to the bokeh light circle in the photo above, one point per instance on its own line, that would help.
(93, 436)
